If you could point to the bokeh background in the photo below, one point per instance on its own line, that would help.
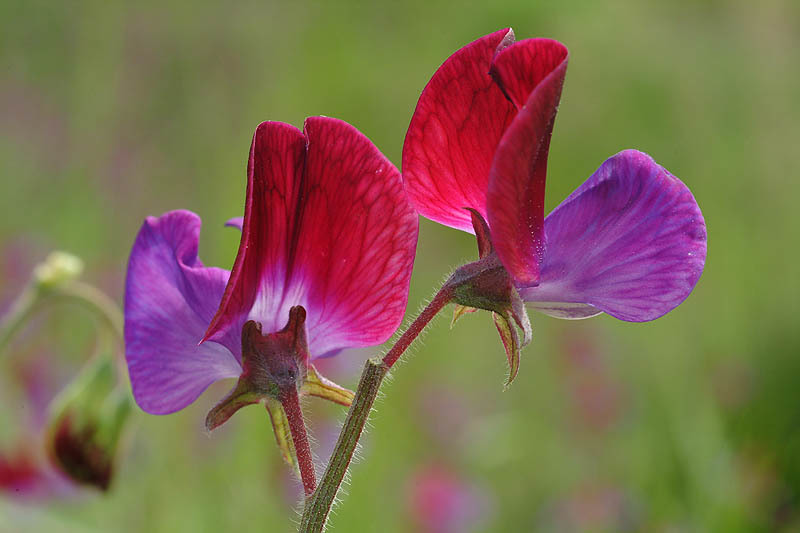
(112, 111)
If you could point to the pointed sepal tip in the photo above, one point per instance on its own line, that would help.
(510, 338)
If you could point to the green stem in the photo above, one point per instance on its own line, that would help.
(31, 298)
(20, 311)
(318, 505)
(97, 301)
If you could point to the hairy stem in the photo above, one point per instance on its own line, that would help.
(318, 505)
(297, 426)
(442, 298)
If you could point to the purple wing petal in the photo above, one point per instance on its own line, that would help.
(630, 241)
(460, 117)
(170, 298)
(235, 222)
(531, 73)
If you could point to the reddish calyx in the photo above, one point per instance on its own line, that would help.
(276, 372)
(486, 284)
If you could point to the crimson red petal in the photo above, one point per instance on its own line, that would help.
(356, 248)
(274, 170)
(459, 120)
(327, 226)
(531, 73)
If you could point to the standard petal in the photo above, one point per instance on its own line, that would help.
(269, 234)
(630, 241)
(356, 243)
(459, 120)
(327, 226)
(531, 73)
(169, 299)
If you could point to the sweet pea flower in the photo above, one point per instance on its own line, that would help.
(327, 247)
(630, 241)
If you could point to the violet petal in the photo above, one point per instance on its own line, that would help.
(170, 298)
(235, 222)
(630, 241)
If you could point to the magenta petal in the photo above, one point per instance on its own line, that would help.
(327, 226)
(356, 248)
(531, 73)
(630, 241)
(460, 117)
(169, 299)
(274, 173)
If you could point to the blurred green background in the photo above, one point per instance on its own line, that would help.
(113, 111)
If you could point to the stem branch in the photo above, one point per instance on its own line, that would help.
(97, 301)
(33, 296)
(441, 299)
(22, 308)
(318, 505)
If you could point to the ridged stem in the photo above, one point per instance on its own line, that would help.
(318, 505)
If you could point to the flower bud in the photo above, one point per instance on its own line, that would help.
(58, 268)
(86, 424)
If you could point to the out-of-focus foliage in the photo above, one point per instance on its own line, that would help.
(112, 111)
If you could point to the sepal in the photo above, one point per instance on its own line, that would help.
(276, 370)
(486, 284)
(241, 396)
(510, 338)
(283, 433)
(459, 311)
(318, 385)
